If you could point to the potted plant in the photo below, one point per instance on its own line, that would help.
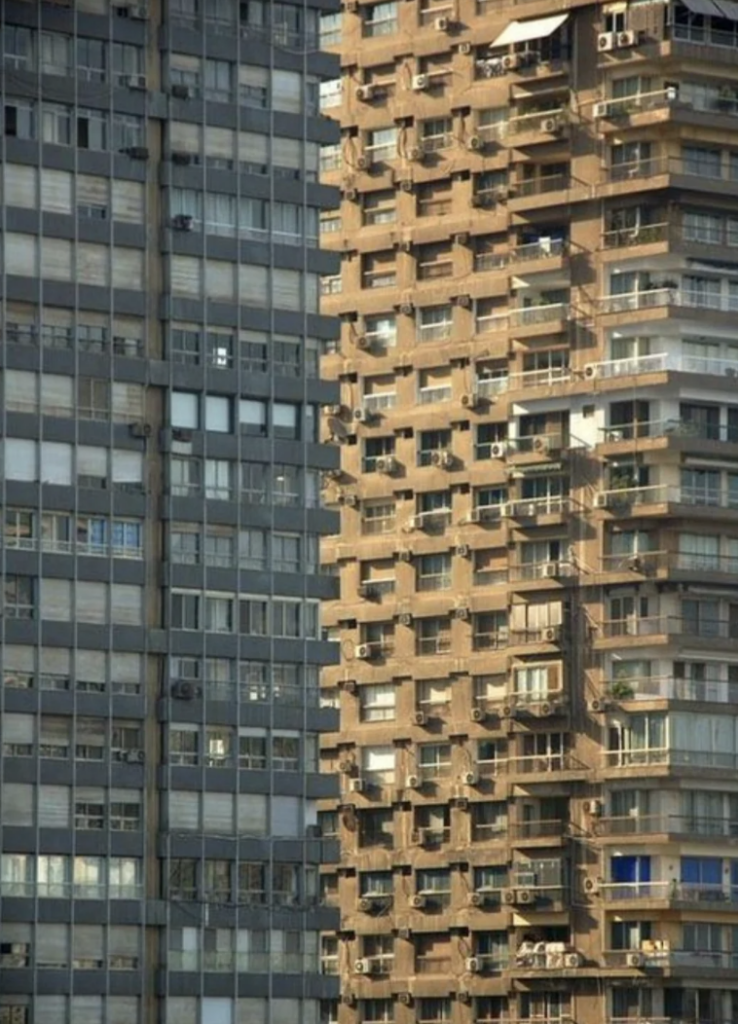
(621, 690)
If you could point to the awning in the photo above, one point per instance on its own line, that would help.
(728, 8)
(522, 31)
(708, 7)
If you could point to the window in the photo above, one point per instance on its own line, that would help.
(433, 636)
(379, 207)
(490, 630)
(378, 270)
(381, 332)
(286, 552)
(377, 702)
(381, 144)
(436, 134)
(380, 19)
(18, 597)
(376, 449)
(433, 572)
(377, 517)
(185, 610)
(253, 417)
(434, 323)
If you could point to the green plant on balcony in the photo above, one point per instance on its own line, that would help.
(621, 689)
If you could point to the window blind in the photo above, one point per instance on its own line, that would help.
(56, 191)
(286, 816)
(92, 264)
(19, 185)
(20, 253)
(17, 803)
(55, 599)
(56, 259)
(56, 463)
(218, 813)
(184, 810)
(91, 602)
(128, 201)
(54, 806)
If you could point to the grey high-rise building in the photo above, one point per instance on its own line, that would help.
(160, 631)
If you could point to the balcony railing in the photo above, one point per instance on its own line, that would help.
(532, 507)
(645, 234)
(667, 756)
(638, 102)
(552, 441)
(677, 824)
(544, 763)
(534, 122)
(717, 691)
(659, 494)
(668, 295)
(541, 185)
(668, 890)
(543, 314)
(664, 957)
(670, 428)
(538, 829)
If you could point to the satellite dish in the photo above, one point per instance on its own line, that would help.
(337, 428)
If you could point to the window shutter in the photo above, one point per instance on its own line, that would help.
(128, 268)
(91, 190)
(17, 728)
(252, 814)
(219, 142)
(127, 402)
(20, 254)
(186, 276)
(220, 279)
(252, 1011)
(87, 1009)
(184, 810)
(126, 669)
(56, 191)
(52, 950)
(181, 1010)
(287, 153)
(91, 602)
(128, 201)
(126, 602)
(127, 467)
(20, 459)
(54, 806)
(55, 599)
(286, 289)
(57, 398)
(90, 666)
(56, 463)
(285, 1010)
(16, 807)
(286, 816)
(218, 813)
(92, 265)
(184, 138)
(88, 940)
(253, 284)
(216, 1010)
(124, 940)
(21, 390)
(253, 148)
(19, 185)
(124, 1010)
(55, 661)
(56, 259)
(287, 88)
(253, 77)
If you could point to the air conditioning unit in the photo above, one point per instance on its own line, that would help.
(348, 999)
(361, 415)
(461, 612)
(634, 959)
(137, 11)
(137, 152)
(475, 142)
(181, 92)
(551, 570)
(606, 41)
(598, 706)
(420, 82)
(510, 62)
(602, 500)
(572, 960)
(524, 897)
(478, 714)
(363, 650)
(183, 222)
(591, 885)
(551, 125)
(473, 964)
(135, 81)
(476, 899)
(442, 458)
(591, 370)
(348, 686)
(365, 905)
(625, 39)
(442, 24)
(346, 766)
(407, 308)
(508, 897)
(406, 184)
(463, 550)
(470, 399)
(636, 564)
(420, 718)
(351, 194)
(347, 499)
(465, 48)
(363, 161)
(469, 778)
(386, 464)
(181, 158)
(356, 786)
(135, 756)
(412, 781)
(404, 555)
(418, 902)
(498, 450)
(463, 300)
(141, 430)
(463, 996)
(592, 807)
(183, 689)
(365, 92)
(601, 110)
(405, 998)
(364, 966)
(541, 444)
(416, 153)
(551, 634)
(405, 619)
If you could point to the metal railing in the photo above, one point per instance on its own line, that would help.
(659, 494)
(668, 756)
(545, 763)
(645, 234)
(670, 428)
(638, 102)
(543, 314)
(670, 889)
(665, 957)
(677, 824)
(532, 507)
(717, 691)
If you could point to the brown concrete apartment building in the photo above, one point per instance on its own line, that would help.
(538, 554)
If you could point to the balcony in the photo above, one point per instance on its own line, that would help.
(670, 428)
(553, 571)
(646, 234)
(538, 829)
(621, 500)
(547, 313)
(716, 691)
(670, 757)
(657, 955)
(667, 824)
(662, 362)
(541, 126)
(549, 443)
(546, 764)
(532, 508)
(672, 891)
